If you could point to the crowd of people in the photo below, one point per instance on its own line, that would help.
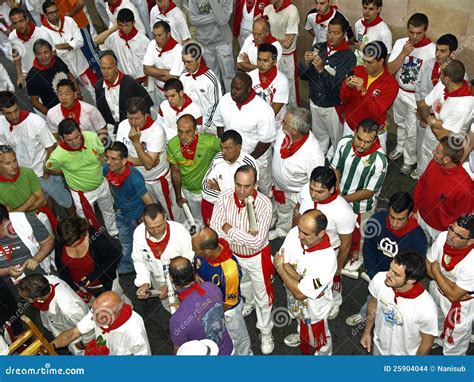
(150, 149)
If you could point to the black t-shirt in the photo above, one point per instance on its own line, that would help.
(42, 83)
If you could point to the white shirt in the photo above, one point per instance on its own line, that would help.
(153, 140)
(128, 339)
(170, 116)
(398, 326)
(176, 20)
(284, 22)
(90, 118)
(317, 270)
(339, 213)
(321, 30)
(224, 171)
(150, 269)
(255, 121)
(71, 34)
(129, 54)
(126, 4)
(6, 83)
(29, 139)
(251, 50)
(277, 92)
(170, 60)
(292, 173)
(379, 32)
(112, 96)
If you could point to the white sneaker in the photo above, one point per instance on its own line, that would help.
(334, 312)
(292, 340)
(248, 308)
(267, 345)
(355, 319)
(394, 154)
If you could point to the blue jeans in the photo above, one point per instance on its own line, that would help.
(125, 227)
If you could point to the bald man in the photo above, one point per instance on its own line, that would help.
(122, 329)
(113, 90)
(307, 264)
(214, 262)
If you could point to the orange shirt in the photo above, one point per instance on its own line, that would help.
(65, 6)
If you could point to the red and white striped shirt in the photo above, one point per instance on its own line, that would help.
(240, 240)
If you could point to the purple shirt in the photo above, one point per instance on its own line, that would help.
(201, 317)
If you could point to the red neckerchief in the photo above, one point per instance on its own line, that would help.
(373, 149)
(187, 102)
(118, 180)
(189, 150)
(328, 200)
(12, 180)
(267, 78)
(47, 24)
(122, 318)
(201, 70)
(269, 40)
(113, 7)
(149, 121)
(373, 23)
(39, 66)
(248, 100)
(23, 115)
(193, 288)
(454, 255)
(463, 91)
(44, 306)
(410, 226)
(170, 44)
(158, 247)
(170, 8)
(288, 150)
(323, 244)
(127, 37)
(66, 147)
(73, 112)
(342, 46)
(285, 4)
(422, 43)
(435, 73)
(414, 292)
(117, 82)
(26, 37)
(322, 18)
(240, 204)
(225, 254)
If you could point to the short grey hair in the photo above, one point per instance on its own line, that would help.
(301, 119)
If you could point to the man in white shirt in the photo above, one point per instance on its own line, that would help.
(220, 176)
(177, 103)
(306, 264)
(408, 56)
(113, 321)
(297, 153)
(114, 7)
(162, 59)
(269, 83)
(166, 10)
(155, 242)
(241, 110)
(401, 310)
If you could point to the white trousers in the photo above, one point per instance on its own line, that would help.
(194, 203)
(265, 179)
(288, 66)
(428, 144)
(235, 324)
(158, 194)
(326, 126)
(430, 232)
(220, 60)
(104, 200)
(404, 114)
(285, 213)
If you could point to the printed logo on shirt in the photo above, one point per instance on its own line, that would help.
(410, 69)
(391, 315)
(388, 247)
(376, 93)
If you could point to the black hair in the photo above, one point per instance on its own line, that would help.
(182, 275)
(67, 126)
(376, 50)
(125, 15)
(4, 215)
(34, 286)
(137, 105)
(153, 210)
(7, 99)
(40, 43)
(466, 221)
(368, 125)
(188, 117)
(450, 40)
(119, 147)
(324, 175)
(232, 135)
(418, 20)
(162, 24)
(173, 83)
(455, 70)
(401, 201)
(47, 4)
(66, 82)
(414, 264)
(269, 48)
(339, 20)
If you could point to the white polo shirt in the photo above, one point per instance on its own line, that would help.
(70, 34)
(129, 54)
(339, 213)
(90, 118)
(379, 32)
(153, 140)
(317, 269)
(251, 49)
(175, 18)
(170, 60)
(255, 120)
(277, 92)
(283, 22)
(170, 116)
(292, 173)
(398, 325)
(126, 4)
(29, 139)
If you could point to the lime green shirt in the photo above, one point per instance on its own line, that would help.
(82, 169)
(15, 194)
(193, 171)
